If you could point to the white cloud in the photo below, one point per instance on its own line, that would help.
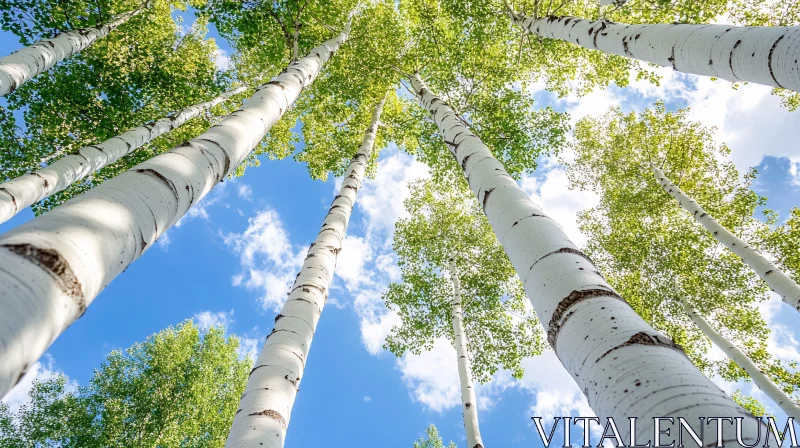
(560, 203)
(222, 60)
(432, 376)
(555, 392)
(351, 262)
(367, 399)
(245, 192)
(268, 259)
(42, 370)
(381, 199)
(250, 344)
(208, 319)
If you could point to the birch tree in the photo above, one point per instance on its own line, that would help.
(623, 366)
(754, 54)
(22, 65)
(772, 275)
(786, 403)
(177, 388)
(266, 406)
(641, 241)
(60, 261)
(458, 284)
(28, 189)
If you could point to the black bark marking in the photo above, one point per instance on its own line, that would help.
(730, 57)
(293, 381)
(564, 250)
(55, 265)
(769, 272)
(13, 199)
(275, 415)
(534, 215)
(486, 197)
(642, 338)
(46, 183)
(560, 315)
(468, 405)
(769, 61)
(464, 162)
(161, 178)
(278, 317)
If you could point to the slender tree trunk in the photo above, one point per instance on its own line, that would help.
(26, 190)
(20, 66)
(53, 267)
(623, 366)
(764, 54)
(265, 407)
(468, 398)
(784, 401)
(787, 288)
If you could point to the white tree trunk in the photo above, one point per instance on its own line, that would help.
(28, 189)
(784, 401)
(19, 67)
(266, 405)
(761, 54)
(775, 278)
(53, 267)
(468, 398)
(623, 366)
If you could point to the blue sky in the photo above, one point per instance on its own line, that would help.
(230, 259)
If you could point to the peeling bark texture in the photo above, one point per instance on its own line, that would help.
(468, 397)
(276, 375)
(638, 377)
(781, 283)
(761, 54)
(101, 232)
(19, 67)
(28, 189)
(784, 401)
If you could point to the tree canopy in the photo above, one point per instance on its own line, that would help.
(178, 388)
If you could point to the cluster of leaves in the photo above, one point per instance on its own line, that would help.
(144, 70)
(446, 222)
(642, 240)
(179, 388)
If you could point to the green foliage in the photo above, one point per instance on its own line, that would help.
(432, 440)
(142, 71)
(642, 240)
(181, 387)
(446, 221)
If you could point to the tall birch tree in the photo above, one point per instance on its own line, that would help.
(763, 55)
(59, 262)
(641, 240)
(17, 194)
(786, 403)
(623, 366)
(22, 65)
(781, 283)
(266, 406)
(458, 285)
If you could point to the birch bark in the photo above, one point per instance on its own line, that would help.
(20, 66)
(623, 366)
(28, 189)
(781, 283)
(765, 55)
(266, 405)
(784, 401)
(53, 267)
(468, 398)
